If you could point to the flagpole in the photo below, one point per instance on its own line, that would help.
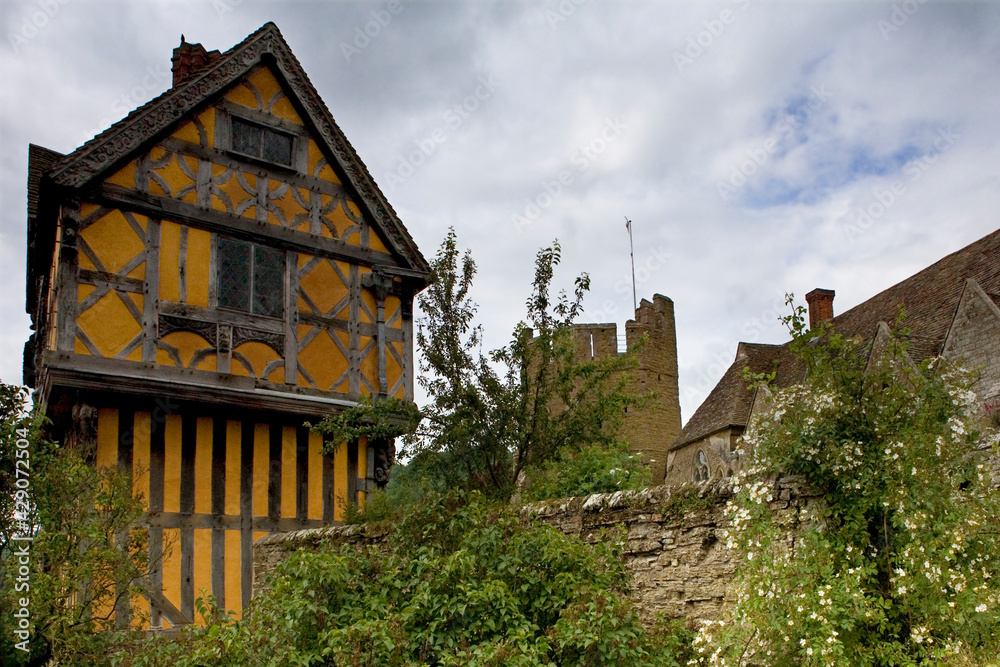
(631, 252)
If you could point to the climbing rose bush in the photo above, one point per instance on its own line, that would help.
(897, 561)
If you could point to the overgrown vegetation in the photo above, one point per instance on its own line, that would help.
(529, 407)
(899, 563)
(461, 582)
(82, 555)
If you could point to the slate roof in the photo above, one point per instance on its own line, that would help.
(930, 298)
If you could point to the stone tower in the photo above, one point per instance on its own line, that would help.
(651, 429)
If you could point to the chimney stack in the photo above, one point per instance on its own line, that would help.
(820, 306)
(190, 59)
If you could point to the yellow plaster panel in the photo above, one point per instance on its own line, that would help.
(318, 166)
(392, 306)
(369, 365)
(242, 95)
(369, 300)
(178, 177)
(238, 191)
(109, 324)
(323, 286)
(172, 567)
(259, 355)
(283, 108)
(125, 177)
(207, 118)
(340, 481)
(187, 132)
(375, 242)
(170, 250)
(113, 240)
(140, 456)
(199, 251)
(187, 344)
(233, 466)
(203, 466)
(202, 568)
(342, 223)
(324, 229)
(323, 360)
(209, 363)
(83, 291)
(393, 370)
(288, 471)
(107, 438)
(327, 174)
(314, 481)
(287, 205)
(261, 468)
(265, 83)
(234, 597)
(172, 464)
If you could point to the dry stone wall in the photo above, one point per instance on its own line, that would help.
(675, 540)
(674, 537)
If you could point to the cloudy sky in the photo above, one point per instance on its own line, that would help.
(758, 147)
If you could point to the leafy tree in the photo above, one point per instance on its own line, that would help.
(494, 416)
(460, 582)
(82, 557)
(899, 561)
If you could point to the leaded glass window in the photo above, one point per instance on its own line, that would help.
(261, 142)
(251, 277)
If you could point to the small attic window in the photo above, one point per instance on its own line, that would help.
(261, 142)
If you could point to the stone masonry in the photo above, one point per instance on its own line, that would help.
(652, 428)
(675, 540)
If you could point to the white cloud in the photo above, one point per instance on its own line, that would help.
(560, 81)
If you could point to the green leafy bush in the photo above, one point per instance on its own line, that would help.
(84, 553)
(587, 470)
(461, 582)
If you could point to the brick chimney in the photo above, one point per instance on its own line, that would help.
(820, 306)
(190, 59)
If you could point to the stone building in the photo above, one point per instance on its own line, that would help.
(649, 429)
(952, 310)
(205, 276)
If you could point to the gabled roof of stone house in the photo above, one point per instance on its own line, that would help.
(929, 297)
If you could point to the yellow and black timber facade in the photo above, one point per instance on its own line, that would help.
(205, 276)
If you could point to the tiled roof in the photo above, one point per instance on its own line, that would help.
(929, 297)
(728, 404)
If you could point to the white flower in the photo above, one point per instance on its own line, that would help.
(981, 608)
